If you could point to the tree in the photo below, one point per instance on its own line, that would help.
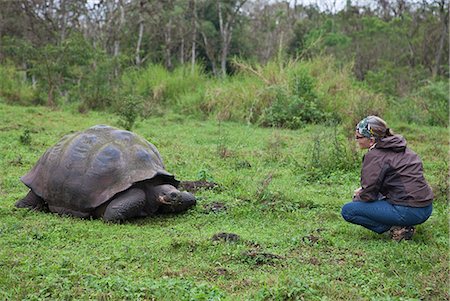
(228, 13)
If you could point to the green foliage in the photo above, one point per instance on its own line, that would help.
(293, 289)
(204, 175)
(25, 138)
(429, 105)
(96, 87)
(294, 107)
(14, 87)
(434, 99)
(394, 80)
(330, 152)
(128, 108)
(160, 89)
(57, 65)
(291, 111)
(344, 99)
(326, 37)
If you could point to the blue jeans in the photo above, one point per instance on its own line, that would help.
(379, 216)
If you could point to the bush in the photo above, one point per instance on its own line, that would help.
(96, 88)
(433, 99)
(328, 153)
(295, 106)
(14, 87)
(128, 109)
(427, 106)
(160, 87)
(291, 111)
(394, 80)
(343, 98)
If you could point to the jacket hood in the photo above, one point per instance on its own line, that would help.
(396, 143)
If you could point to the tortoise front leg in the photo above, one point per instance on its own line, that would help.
(33, 202)
(127, 205)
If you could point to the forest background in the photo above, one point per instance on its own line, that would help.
(271, 63)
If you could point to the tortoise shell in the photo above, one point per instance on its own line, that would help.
(86, 169)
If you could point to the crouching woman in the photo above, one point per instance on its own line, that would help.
(394, 195)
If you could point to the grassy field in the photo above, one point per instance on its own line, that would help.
(280, 191)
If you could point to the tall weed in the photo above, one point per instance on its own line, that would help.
(433, 99)
(427, 106)
(330, 152)
(162, 88)
(238, 99)
(14, 87)
(128, 108)
(292, 93)
(295, 104)
(346, 100)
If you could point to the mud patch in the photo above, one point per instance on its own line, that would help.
(214, 207)
(224, 236)
(194, 186)
(313, 238)
(259, 258)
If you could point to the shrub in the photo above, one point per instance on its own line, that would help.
(158, 86)
(14, 87)
(328, 153)
(393, 80)
(128, 109)
(342, 97)
(295, 106)
(427, 106)
(434, 98)
(96, 88)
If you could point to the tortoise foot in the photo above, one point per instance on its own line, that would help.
(33, 202)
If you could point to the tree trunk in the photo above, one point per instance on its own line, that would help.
(194, 35)
(50, 97)
(63, 21)
(226, 30)
(210, 54)
(168, 44)
(117, 37)
(444, 33)
(138, 46)
(182, 51)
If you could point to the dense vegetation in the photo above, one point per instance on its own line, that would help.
(260, 62)
(258, 96)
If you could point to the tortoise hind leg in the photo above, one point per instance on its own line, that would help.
(127, 205)
(32, 201)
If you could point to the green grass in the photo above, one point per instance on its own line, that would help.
(293, 244)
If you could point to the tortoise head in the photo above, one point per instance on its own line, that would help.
(167, 194)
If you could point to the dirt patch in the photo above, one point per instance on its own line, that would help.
(214, 207)
(313, 238)
(314, 261)
(260, 258)
(194, 186)
(223, 236)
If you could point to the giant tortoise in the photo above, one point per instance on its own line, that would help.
(103, 172)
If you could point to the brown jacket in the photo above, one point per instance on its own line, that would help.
(394, 171)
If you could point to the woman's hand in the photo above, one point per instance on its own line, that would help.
(356, 193)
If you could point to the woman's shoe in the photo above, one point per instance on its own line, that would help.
(399, 233)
